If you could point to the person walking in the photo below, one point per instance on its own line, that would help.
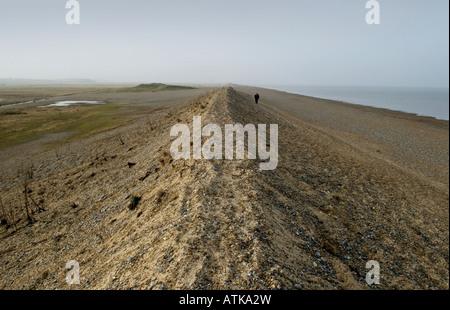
(256, 98)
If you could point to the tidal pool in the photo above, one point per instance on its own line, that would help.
(69, 103)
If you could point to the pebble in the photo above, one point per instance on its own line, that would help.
(298, 286)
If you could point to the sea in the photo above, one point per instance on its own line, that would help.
(432, 102)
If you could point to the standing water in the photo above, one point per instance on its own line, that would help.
(432, 102)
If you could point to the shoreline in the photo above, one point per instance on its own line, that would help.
(418, 144)
(380, 110)
(357, 104)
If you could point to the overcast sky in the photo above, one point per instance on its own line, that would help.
(255, 42)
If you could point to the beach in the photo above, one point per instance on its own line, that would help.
(353, 184)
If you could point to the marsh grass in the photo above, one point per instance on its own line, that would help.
(76, 122)
(7, 215)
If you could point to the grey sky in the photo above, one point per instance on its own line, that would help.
(257, 42)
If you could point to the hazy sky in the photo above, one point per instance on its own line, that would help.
(256, 42)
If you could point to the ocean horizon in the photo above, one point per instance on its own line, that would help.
(433, 102)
